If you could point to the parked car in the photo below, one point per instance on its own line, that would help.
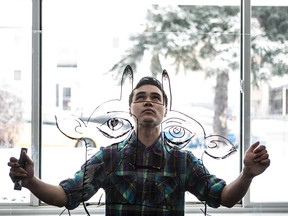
(52, 137)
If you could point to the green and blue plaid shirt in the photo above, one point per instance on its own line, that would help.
(141, 180)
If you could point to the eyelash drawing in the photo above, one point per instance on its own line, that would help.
(113, 122)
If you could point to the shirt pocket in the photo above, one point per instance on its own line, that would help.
(168, 191)
(121, 189)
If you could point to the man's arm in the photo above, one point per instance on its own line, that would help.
(256, 161)
(50, 194)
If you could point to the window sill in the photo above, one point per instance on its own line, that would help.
(13, 209)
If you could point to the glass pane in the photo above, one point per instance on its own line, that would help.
(269, 95)
(15, 90)
(79, 52)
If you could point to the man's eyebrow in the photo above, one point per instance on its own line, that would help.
(141, 93)
(156, 93)
(145, 93)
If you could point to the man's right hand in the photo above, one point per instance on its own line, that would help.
(50, 194)
(16, 172)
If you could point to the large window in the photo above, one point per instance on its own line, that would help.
(15, 90)
(269, 95)
(182, 39)
(84, 46)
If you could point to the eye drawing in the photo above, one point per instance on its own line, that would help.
(176, 134)
(115, 127)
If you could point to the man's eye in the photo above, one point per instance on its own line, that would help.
(156, 98)
(139, 98)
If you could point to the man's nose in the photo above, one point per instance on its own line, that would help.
(148, 102)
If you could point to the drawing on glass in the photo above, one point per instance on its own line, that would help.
(115, 123)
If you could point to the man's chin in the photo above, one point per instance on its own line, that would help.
(149, 123)
(147, 120)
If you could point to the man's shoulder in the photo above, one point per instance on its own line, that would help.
(110, 149)
(178, 153)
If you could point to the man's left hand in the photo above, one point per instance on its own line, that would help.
(256, 160)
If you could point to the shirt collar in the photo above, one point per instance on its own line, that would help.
(156, 147)
(136, 146)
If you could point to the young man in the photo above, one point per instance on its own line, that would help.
(140, 175)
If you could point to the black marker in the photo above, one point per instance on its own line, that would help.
(22, 163)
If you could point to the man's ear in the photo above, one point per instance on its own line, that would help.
(165, 113)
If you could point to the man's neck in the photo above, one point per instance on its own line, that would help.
(148, 136)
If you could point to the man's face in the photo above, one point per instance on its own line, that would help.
(148, 105)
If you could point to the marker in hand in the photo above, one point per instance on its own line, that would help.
(22, 163)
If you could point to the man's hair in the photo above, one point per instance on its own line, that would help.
(149, 81)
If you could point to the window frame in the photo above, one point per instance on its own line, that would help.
(37, 113)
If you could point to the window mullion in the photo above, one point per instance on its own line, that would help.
(245, 79)
(36, 88)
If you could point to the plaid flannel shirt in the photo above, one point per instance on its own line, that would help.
(141, 180)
